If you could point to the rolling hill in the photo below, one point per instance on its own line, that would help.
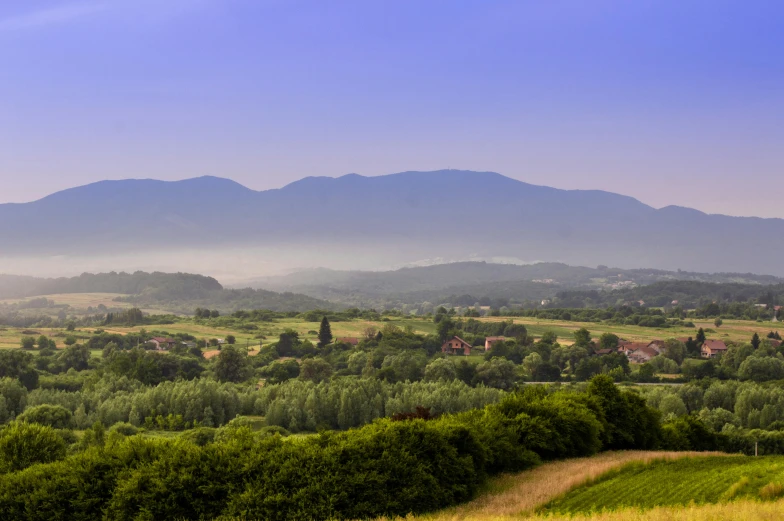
(369, 222)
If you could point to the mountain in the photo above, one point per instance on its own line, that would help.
(371, 222)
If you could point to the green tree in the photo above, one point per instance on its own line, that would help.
(718, 322)
(755, 341)
(440, 369)
(27, 342)
(75, 357)
(582, 337)
(700, 338)
(25, 444)
(231, 340)
(55, 416)
(325, 333)
(608, 341)
(675, 350)
(315, 370)
(497, 373)
(232, 365)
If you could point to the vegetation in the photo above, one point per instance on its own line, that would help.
(678, 482)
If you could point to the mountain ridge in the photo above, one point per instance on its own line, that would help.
(390, 219)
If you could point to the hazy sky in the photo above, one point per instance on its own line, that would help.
(672, 102)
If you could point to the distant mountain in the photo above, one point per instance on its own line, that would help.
(180, 292)
(389, 220)
(466, 283)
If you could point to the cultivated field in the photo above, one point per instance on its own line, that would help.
(672, 483)
(515, 495)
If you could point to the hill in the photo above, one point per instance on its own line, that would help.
(179, 292)
(356, 221)
(466, 283)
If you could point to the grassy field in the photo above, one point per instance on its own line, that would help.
(681, 482)
(517, 496)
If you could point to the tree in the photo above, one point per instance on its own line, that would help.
(76, 357)
(231, 340)
(440, 369)
(315, 370)
(675, 350)
(25, 444)
(582, 337)
(69, 340)
(761, 369)
(55, 416)
(27, 342)
(325, 333)
(531, 363)
(232, 365)
(755, 341)
(718, 322)
(608, 341)
(700, 338)
(497, 373)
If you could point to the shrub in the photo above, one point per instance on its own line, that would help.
(55, 416)
(25, 444)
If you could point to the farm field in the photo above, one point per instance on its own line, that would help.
(515, 495)
(674, 483)
(737, 330)
(80, 303)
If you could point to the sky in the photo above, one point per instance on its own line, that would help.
(669, 101)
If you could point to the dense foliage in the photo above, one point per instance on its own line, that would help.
(387, 468)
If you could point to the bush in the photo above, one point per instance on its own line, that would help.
(54, 416)
(25, 444)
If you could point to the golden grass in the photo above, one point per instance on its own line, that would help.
(516, 495)
(745, 510)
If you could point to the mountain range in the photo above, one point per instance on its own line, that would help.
(356, 221)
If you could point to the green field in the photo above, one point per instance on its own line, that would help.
(679, 482)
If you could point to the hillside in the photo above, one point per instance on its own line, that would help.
(177, 292)
(369, 222)
(466, 283)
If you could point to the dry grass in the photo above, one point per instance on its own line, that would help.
(745, 510)
(516, 495)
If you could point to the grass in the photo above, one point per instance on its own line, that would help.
(681, 482)
(515, 495)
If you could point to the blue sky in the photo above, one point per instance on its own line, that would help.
(672, 102)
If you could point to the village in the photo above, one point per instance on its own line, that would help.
(637, 352)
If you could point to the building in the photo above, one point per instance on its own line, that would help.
(456, 346)
(658, 345)
(713, 348)
(162, 343)
(642, 354)
(489, 341)
(602, 352)
(348, 340)
(630, 347)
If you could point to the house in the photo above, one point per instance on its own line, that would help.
(455, 346)
(713, 348)
(774, 342)
(642, 354)
(162, 343)
(489, 341)
(347, 340)
(630, 347)
(602, 352)
(658, 345)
